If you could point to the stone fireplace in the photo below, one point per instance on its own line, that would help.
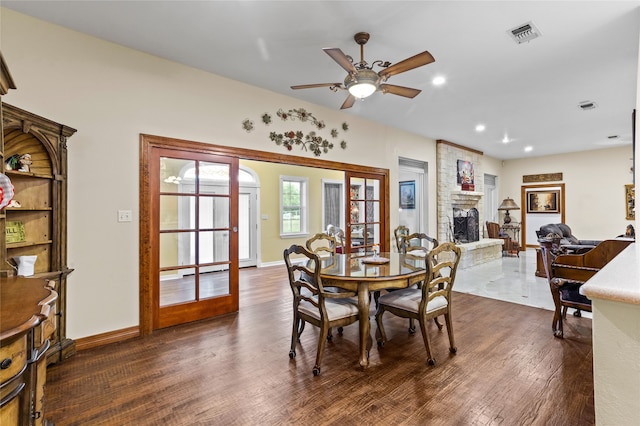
(461, 213)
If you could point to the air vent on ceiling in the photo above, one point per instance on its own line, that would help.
(585, 105)
(613, 137)
(524, 33)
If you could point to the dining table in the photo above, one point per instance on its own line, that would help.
(367, 273)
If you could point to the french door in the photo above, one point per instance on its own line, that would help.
(366, 212)
(194, 210)
(191, 227)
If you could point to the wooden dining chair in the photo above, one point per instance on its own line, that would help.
(565, 292)
(322, 244)
(417, 241)
(430, 301)
(338, 234)
(313, 304)
(399, 233)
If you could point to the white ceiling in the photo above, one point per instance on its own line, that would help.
(530, 92)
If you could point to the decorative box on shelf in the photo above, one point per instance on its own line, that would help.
(15, 232)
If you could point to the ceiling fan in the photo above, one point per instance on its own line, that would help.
(362, 81)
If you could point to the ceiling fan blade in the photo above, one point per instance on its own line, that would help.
(348, 103)
(311, 86)
(407, 92)
(342, 59)
(416, 61)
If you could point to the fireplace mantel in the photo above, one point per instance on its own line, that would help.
(465, 199)
(467, 195)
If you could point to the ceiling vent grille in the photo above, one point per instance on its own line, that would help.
(524, 33)
(586, 105)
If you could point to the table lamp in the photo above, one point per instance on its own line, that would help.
(508, 204)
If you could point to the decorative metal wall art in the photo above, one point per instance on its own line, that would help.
(310, 141)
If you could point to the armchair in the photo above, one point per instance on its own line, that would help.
(568, 241)
(493, 231)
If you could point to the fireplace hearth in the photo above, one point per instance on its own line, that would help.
(466, 225)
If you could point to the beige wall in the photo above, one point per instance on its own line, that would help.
(594, 188)
(112, 94)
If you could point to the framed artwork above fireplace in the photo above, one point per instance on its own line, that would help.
(465, 172)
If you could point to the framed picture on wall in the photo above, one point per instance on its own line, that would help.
(465, 173)
(630, 201)
(408, 194)
(543, 201)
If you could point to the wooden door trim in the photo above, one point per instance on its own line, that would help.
(150, 142)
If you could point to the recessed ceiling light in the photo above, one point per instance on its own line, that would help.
(505, 139)
(528, 149)
(480, 128)
(439, 80)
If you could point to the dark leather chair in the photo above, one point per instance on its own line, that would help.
(568, 241)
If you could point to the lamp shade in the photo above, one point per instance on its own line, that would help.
(362, 84)
(508, 204)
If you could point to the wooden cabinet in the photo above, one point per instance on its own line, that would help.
(34, 226)
(26, 310)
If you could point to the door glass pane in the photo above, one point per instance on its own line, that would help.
(214, 246)
(214, 212)
(214, 178)
(213, 284)
(174, 175)
(177, 286)
(244, 233)
(175, 212)
(373, 189)
(373, 233)
(177, 249)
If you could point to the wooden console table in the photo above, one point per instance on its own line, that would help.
(27, 321)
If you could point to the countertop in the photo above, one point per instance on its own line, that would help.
(619, 280)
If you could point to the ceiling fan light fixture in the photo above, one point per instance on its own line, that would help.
(362, 84)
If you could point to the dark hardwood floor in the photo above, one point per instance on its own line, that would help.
(235, 370)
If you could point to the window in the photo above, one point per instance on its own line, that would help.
(293, 205)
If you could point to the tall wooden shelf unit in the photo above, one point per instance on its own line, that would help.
(42, 196)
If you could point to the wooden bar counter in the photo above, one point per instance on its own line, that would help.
(27, 320)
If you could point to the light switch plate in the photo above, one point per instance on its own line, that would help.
(124, 215)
